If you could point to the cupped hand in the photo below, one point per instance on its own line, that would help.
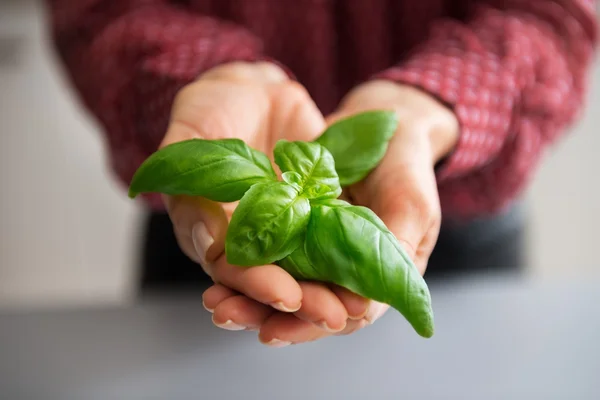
(260, 105)
(402, 190)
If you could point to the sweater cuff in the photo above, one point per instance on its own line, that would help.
(474, 85)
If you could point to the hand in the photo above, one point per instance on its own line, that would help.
(260, 105)
(402, 190)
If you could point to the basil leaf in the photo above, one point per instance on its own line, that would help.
(319, 191)
(293, 178)
(358, 143)
(313, 163)
(267, 225)
(220, 170)
(351, 247)
(330, 203)
(299, 266)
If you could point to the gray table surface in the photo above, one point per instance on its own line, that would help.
(495, 339)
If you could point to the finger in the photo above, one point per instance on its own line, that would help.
(215, 295)
(322, 307)
(356, 306)
(280, 330)
(352, 327)
(375, 311)
(267, 284)
(200, 226)
(239, 312)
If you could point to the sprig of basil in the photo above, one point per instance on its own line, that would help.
(358, 143)
(315, 165)
(220, 170)
(298, 223)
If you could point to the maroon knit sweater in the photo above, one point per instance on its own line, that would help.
(513, 71)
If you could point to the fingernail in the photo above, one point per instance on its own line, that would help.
(375, 312)
(359, 316)
(210, 310)
(323, 325)
(202, 240)
(356, 325)
(282, 307)
(277, 343)
(229, 325)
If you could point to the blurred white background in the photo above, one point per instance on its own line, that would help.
(68, 232)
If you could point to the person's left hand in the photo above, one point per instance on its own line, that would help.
(402, 191)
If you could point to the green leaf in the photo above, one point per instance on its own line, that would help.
(299, 266)
(351, 247)
(267, 224)
(358, 143)
(220, 170)
(330, 203)
(313, 163)
(293, 178)
(319, 191)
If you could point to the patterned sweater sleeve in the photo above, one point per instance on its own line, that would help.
(127, 60)
(515, 74)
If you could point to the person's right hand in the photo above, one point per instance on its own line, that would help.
(259, 104)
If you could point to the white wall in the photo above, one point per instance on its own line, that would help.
(66, 230)
(565, 199)
(68, 233)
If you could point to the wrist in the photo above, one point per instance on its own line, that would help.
(443, 136)
(443, 130)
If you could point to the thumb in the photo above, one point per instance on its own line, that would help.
(200, 226)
